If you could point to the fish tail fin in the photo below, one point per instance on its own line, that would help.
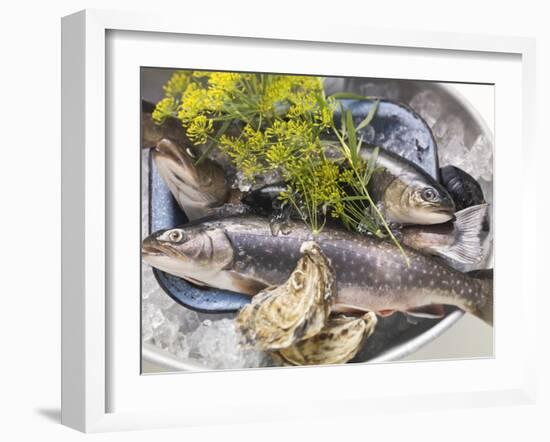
(484, 309)
(467, 229)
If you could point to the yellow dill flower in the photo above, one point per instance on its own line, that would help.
(275, 96)
(254, 141)
(194, 101)
(233, 147)
(199, 129)
(324, 117)
(346, 176)
(251, 167)
(224, 81)
(279, 154)
(221, 86)
(302, 105)
(177, 84)
(241, 152)
(167, 107)
(323, 114)
(201, 74)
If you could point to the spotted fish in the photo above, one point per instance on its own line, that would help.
(243, 255)
(404, 192)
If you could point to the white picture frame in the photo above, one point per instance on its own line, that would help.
(91, 368)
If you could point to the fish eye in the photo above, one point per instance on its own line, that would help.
(176, 235)
(429, 194)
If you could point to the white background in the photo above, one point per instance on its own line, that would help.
(30, 111)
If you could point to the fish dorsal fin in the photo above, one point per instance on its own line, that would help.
(432, 311)
(467, 247)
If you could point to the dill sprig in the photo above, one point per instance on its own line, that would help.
(284, 123)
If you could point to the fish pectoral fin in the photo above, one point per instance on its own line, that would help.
(246, 285)
(196, 282)
(432, 311)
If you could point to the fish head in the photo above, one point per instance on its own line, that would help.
(418, 201)
(197, 253)
(195, 186)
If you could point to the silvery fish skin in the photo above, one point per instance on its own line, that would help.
(241, 254)
(197, 188)
(404, 192)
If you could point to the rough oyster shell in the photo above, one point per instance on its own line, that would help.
(281, 315)
(338, 342)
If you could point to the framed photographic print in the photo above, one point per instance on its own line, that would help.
(253, 214)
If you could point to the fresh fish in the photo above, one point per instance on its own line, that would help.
(338, 342)
(298, 309)
(415, 199)
(463, 187)
(405, 193)
(242, 255)
(459, 240)
(197, 188)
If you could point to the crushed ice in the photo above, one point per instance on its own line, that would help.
(208, 340)
(189, 336)
(475, 157)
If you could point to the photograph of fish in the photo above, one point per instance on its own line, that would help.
(292, 220)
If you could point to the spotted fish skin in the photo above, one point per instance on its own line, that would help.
(372, 275)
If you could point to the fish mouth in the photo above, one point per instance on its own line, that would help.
(444, 207)
(151, 249)
(433, 215)
(441, 215)
(445, 211)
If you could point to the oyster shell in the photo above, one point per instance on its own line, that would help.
(281, 315)
(338, 342)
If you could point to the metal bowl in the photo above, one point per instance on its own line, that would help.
(400, 337)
